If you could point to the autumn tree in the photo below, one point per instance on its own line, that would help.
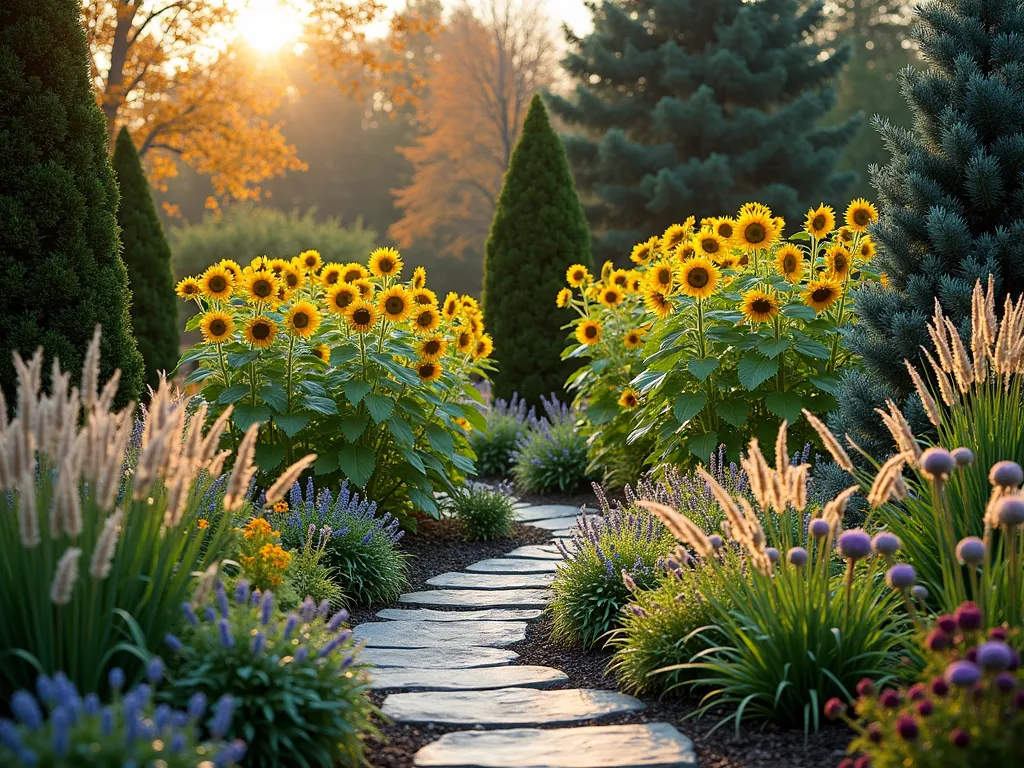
(489, 66)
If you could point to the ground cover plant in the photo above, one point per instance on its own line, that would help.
(485, 513)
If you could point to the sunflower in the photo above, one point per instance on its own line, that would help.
(354, 271)
(323, 352)
(727, 262)
(866, 248)
(426, 320)
(331, 274)
(846, 234)
(419, 278)
(758, 306)
(360, 316)
(484, 346)
(620, 278)
(232, 266)
(821, 294)
(820, 221)
(432, 348)
(838, 262)
(725, 228)
(645, 251)
(302, 319)
(686, 250)
(424, 297)
(452, 307)
(860, 214)
(606, 269)
(708, 243)
(310, 260)
(260, 287)
(475, 323)
(260, 331)
(385, 262)
(464, 425)
(755, 229)
(188, 289)
(674, 235)
(661, 277)
(340, 296)
(588, 332)
(364, 286)
(278, 265)
(789, 262)
(634, 338)
(465, 340)
(260, 264)
(428, 370)
(699, 278)
(470, 306)
(636, 281)
(610, 296)
(629, 398)
(563, 298)
(216, 326)
(292, 278)
(395, 304)
(657, 302)
(884, 280)
(576, 275)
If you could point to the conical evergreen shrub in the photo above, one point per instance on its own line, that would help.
(147, 256)
(60, 269)
(539, 231)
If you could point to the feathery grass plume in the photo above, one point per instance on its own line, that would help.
(91, 371)
(680, 526)
(28, 520)
(760, 475)
(287, 479)
(243, 471)
(797, 486)
(839, 455)
(106, 545)
(834, 510)
(888, 484)
(65, 577)
(979, 340)
(963, 370)
(930, 406)
(900, 430)
(937, 332)
(205, 585)
(945, 387)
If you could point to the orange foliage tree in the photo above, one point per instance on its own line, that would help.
(478, 90)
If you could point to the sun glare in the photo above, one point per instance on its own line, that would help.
(267, 25)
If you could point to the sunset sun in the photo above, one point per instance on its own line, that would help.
(267, 25)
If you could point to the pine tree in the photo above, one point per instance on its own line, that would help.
(694, 107)
(147, 256)
(59, 264)
(951, 199)
(539, 231)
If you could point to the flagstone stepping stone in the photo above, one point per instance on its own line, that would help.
(455, 580)
(513, 565)
(455, 657)
(536, 552)
(559, 523)
(480, 598)
(522, 676)
(546, 512)
(433, 634)
(487, 614)
(507, 706)
(652, 745)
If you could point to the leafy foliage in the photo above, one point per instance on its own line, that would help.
(59, 259)
(494, 445)
(309, 576)
(552, 454)
(485, 513)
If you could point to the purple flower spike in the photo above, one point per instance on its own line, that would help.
(337, 621)
(155, 670)
(994, 656)
(224, 711)
(242, 592)
(854, 544)
(962, 674)
(226, 638)
(172, 642)
(266, 607)
(290, 625)
(190, 615)
(258, 643)
(901, 576)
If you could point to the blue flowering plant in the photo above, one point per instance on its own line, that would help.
(299, 690)
(57, 726)
(507, 421)
(363, 547)
(551, 455)
(966, 710)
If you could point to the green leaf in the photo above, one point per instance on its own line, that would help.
(326, 463)
(244, 416)
(311, 387)
(425, 502)
(357, 462)
(193, 322)
(198, 375)
(273, 394)
(724, 333)
(703, 368)
(688, 405)
(233, 394)
(799, 312)
(475, 418)
(379, 406)
(343, 354)
(773, 347)
(242, 359)
(440, 440)
(811, 348)
(702, 446)
(353, 425)
(801, 235)
(754, 370)
(411, 456)
(733, 411)
(322, 405)
(401, 430)
(356, 390)
(291, 423)
(269, 457)
(785, 405)
(825, 382)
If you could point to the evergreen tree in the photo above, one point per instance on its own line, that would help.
(951, 199)
(59, 264)
(694, 107)
(539, 231)
(147, 257)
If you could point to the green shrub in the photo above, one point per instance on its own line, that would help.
(485, 513)
(507, 420)
(362, 551)
(300, 693)
(59, 261)
(309, 576)
(589, 588)
(552, 454)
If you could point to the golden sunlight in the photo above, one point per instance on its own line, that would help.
(268, 25)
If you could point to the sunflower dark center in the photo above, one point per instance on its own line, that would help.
(261, 331)
(818, 222)
(698, 277)
(422, 299)
(822, 294)
(300, 320)
(262, 288)
(386, 265)
(840, 262)
(292, 279)
(352, 275)
(862, 217)
(754, 233)
(218, 327)
(620, 280)
(464, 339)
(331, 278)
(427, 370)
(761, 306)
(310, 262)
(425, 319)
(590, 331)
(342, 299)
(361, 316)
(432, 347)
(394, 305)
(725, 230)
(217, 284)
(789, 263)
(710, 245)
(664, 276)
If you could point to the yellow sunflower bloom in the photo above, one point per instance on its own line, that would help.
(610, 296)
(232, 267)
(260, 331)
(838, 261)
(331, 274)
(866, 248)
(563, 298)
(303, 319)
(475, 323)
(260, 264)
(674, 235)
(310, 260)
(469, 305)
(365, 288)
(820, 221)
(484, 347)
(339, 296)
(424, 297)
(846, 235)
(452, 306)
(395, 304)
(419, 278)
(323, 352)
(385, 262)
(465, 340)
(789, 262)
(821, 294)
(755, 229)
(576, 275)
(759, 307)
(277, 265)
(661, 277)
(426, 320)
(361, 316)
(725, 228)
(432, 349)
(588, 332)
(629, 399)
(292, 278)
(699, 278)
(884, 280)
(634, 338)
(708, 244)
(645, 251)
(260, 287)
(686, 250)
(636, 281)
(860, 214)
(188, 289)
(606, 269)
(354, 271)
(429, 370)
(620, 278)
(216, 326)
(657, 302)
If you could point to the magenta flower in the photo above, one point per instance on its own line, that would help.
(907, 728)
(959, 738)
(834, 708)
(968, 616)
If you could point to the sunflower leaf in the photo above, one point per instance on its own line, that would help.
(704, 445)
(688, 405)
(785, 405)
(343, 354)
(357, 462)
(773, 347)
(379, 406)
(291, 423)
(233, 394)
(703, 368)
(754, 370)
(799, 312)
(356, 390)
(273, 394)
(733, 411)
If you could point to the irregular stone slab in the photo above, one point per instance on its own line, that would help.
(456, 580)
(455, 657)
(507, 706)
(546, 512)
(513, 565)
(652, 745)
(480, 598)
(437, 634)
(536, 552)
(521, 504)
(488, 614)
(522, 676)
(559, 523)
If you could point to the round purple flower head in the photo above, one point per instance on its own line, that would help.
(916, 692)
(716, 541)
(962, 674)
(901, 576)
(854, 544)
(875, 732)
(890, 698)
(946, 623)
(963, 456)
(885, 543)
(994, 656)
(968, 616)
(866, 687)
(1006, 682)
(937, 462)
(834, 708)
(997, 633)
(920, 592)
(925, 708)
(797, 556)
(1010, 510)
(939, 687)
(959, 738)
(970, 550)
(906, 727)
(773, 554)
(818, 528)
(1006, 474)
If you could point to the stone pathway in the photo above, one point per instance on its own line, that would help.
(444, 660)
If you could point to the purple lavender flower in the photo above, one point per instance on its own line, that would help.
(258, 643)
(26, 710)
(308, 610)
(242, 592)
(116, 678)
(338, 620)
(226, 638)
(289, 625)
(197, 706)
(155, 670)
(224, 711)
(172, 642)
(221, 598)
(60, 725)
(190, 615)
(266, 607)
(301, 654)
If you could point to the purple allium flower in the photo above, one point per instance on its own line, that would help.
(885, 543)
(971, 654)
(797, 556)
(890, 698)
(172, 642)
(946, 623)
(920, 592)
(223, 712)
(116, 678)
(994, 656)
(716, 541)
(866, 687)
(1014, 661)
(963, 456)
(1006, 474)
(997, 633)
(916, 692)
(226, 638)
(938, 640)
(834, 708)
(968, 616)
(1005, 682)
(773, 554)
(155, 670)
(959, 738)
(854, 544)
(937, 462)
(901, 576)
(939, 687)
(925, 707)
(962, 674)
(907, 728)
(818, 528)
(1010, 510)
(970, 550)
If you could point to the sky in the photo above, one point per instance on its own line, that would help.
(572, 12)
